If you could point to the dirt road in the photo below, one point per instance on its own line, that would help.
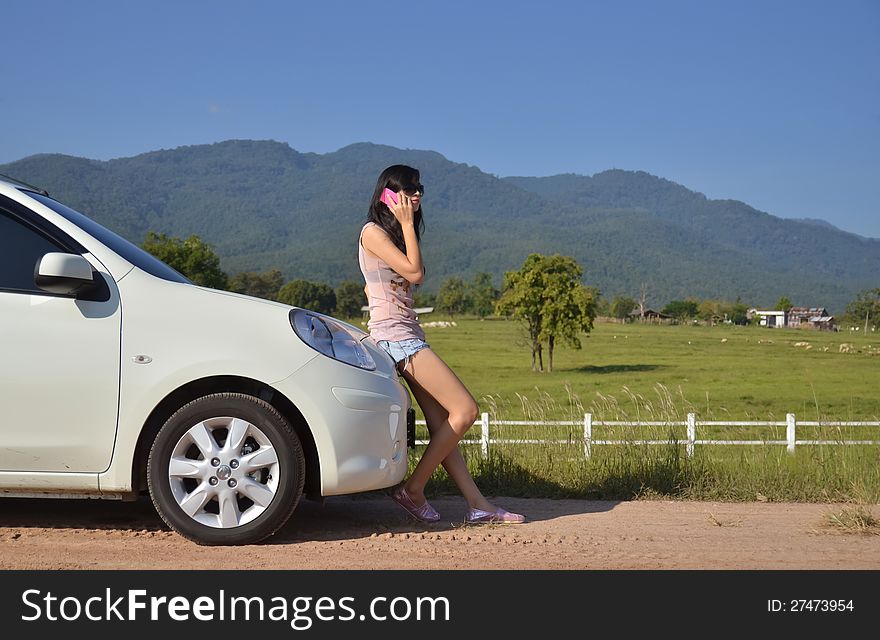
(372, 532)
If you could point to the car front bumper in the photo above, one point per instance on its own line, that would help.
(362, 423)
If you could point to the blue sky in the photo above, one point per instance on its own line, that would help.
(775, 103)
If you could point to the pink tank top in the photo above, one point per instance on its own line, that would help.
(392, 316)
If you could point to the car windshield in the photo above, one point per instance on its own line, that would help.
(131, 252)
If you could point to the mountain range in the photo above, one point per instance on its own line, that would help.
(264, 205)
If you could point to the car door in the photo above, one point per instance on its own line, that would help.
(59, 357)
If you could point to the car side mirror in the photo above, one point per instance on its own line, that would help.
(63, 273)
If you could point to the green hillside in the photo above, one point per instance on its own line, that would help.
(263, 205)
(813, 248)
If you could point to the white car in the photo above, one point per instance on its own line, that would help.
(118, 375)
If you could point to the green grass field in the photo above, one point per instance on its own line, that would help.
(723, 372)
(650, 372)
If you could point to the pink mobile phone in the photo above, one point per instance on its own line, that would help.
(389, 197)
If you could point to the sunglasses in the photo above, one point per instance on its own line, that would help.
(411, 189)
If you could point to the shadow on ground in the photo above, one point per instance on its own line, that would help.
(348, 517)
(619, 368)
(336, 518)
(64, 513)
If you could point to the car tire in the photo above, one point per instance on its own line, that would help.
(226, 469)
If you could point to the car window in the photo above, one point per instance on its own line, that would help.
(131, 252)
(21, 247)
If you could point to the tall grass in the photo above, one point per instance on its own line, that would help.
(853, 520)
(632, 470)
(660, 374)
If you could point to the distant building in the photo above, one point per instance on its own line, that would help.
(795, 318)
(650, 315)
(773, 319)
(418, 310)
(810, 318)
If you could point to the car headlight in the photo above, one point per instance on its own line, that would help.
(332, 338)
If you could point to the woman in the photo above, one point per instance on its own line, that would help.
(391, 262)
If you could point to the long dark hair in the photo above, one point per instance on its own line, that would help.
(395, 177)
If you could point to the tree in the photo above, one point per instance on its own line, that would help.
(643, 299)
(603, 306)
(421, 299)
(259, 285)
(739, 313)
(783, 304)
(681, 309)
(568, 308)
(192, 257)
(483, 295)
(865, 308)
(622, 306)
(315, 296)
(547, 297)
(453, 297)
(349, 299)
(712, 310)
(521, 298)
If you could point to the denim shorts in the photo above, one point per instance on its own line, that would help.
(403, 350)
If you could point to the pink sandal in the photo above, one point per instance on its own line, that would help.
(424, 513)
(478, 516)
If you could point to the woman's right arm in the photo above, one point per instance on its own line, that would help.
(409, 264)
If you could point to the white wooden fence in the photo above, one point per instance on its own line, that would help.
(691, 441)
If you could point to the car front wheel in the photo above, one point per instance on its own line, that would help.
(226, 469)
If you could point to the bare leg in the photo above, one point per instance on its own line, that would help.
(450, 410)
